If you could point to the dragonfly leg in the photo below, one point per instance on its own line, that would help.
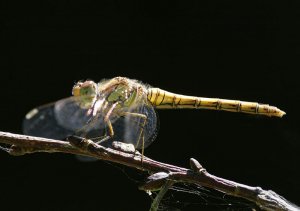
(110, 127)
(110, 131)
(93, 121)
(83, 130)
(102, 139)
(108, 122)
(141, 135)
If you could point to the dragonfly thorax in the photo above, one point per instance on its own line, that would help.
(121, 91)
(122, 95)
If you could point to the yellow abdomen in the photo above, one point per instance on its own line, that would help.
(166, 100)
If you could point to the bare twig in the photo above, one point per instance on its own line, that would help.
(266, 200)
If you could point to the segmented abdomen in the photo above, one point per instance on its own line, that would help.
(162, 99)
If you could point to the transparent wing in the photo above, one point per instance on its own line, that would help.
(58, 120)
(72, 117)
(41, 122)
(128, 128)
(65, 118)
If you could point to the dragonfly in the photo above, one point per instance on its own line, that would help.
(122, 109)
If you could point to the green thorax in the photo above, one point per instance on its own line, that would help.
(123, 95)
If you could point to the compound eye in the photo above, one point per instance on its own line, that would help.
(76, 89)
(86, 88)
(87, 84)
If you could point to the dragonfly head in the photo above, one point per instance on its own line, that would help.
(85, 93)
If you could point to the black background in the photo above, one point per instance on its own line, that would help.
(227, 49)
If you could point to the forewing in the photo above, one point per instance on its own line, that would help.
(70, 115)
(60, 120)
(41, 122)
